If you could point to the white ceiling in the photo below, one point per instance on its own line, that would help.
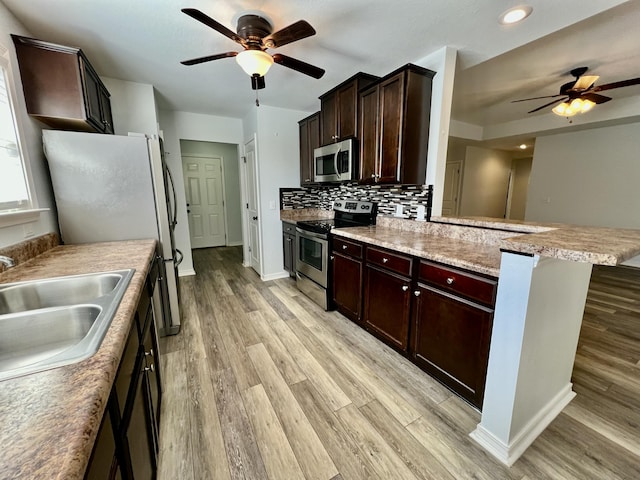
(144, 41)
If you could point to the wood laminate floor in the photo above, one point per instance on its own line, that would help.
(263, 384)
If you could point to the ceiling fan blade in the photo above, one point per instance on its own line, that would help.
(583, 83)
(195, 61)
(210, 22)
(611, 86)
(595, 98)
(549, 104)
(294, 32)
(537, 98)
(298, 65)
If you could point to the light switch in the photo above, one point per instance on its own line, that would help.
(272, 205)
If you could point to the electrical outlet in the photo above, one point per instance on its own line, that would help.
(272, 205)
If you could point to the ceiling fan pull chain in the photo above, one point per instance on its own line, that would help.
(257, 101)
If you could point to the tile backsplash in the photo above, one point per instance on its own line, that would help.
(386, 196)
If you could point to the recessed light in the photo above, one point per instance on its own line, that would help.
(523, 147)
(515, 14)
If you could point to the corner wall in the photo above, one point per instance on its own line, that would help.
(587, 178)
(31, 146)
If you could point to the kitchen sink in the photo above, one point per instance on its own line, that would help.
(55, 292)
(49, 323)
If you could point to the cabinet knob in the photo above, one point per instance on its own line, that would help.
(405, 288)
(385, 260)
(344, 247)
(416, 293)
(450, 281)
(307, 179)
(150, 367)
(149, 353)
(332, 257)
(373, 175)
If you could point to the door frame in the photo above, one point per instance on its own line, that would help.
(224, 193)
(244, 188)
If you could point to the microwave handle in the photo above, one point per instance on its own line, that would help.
(335, 162)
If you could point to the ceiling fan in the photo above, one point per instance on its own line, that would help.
(579, 96)
(256, 35)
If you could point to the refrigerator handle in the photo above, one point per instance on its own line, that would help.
(179, 259)
(174, 220)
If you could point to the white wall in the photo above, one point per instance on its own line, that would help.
(133, 106)
(178, 126)
(587, 178)
(31, 146)
(231, 169)
(443, 62)
(485, 181)
(277, 156)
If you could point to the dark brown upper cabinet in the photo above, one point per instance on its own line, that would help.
(61, 88)
(393, 128)
(309, 141)
(339, 109)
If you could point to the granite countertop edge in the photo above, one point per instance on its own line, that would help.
(49, 420)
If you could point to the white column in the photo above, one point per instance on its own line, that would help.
(539, 309)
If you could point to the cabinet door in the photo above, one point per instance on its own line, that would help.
(386, 311)
(152, 372)
(391, 114)
(328, 119)
(92, 95)
(305, 161)
(105, 110)
(347, 110)
(368, 134)
(103, 464)
(286, 251)
(139, 434)
(347, 286)
(451, 340)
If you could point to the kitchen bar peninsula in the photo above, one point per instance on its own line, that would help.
(543, 276)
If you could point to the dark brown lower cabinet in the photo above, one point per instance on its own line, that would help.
(127, 444)
(450, 340)
(347, 286)
(387, 298)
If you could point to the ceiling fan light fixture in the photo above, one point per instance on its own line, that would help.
(515, 15)
(254, 62)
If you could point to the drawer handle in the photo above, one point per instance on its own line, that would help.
(344, 247)
(405, 288)
(450, 281)
(385, 260)
(417, 293)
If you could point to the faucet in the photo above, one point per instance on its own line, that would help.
(8, 261)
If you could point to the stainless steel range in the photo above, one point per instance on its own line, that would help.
(312, 246)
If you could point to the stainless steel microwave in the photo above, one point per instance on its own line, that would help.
(335, 162)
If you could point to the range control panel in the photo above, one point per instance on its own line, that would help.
(353, 206)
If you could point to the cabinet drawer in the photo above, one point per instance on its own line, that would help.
(477, 288)
(346, 247)
(390, 261)
(289, 228)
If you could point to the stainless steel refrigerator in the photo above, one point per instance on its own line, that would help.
(111, 187)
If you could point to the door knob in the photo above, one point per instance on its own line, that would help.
(255, 218)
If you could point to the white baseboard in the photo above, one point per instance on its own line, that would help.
(508, 454)
(235, 244)
(274, 276)
(186, 272)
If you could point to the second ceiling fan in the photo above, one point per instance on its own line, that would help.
(581, 94)
(256, 35)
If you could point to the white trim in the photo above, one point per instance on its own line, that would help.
(18, 217)
(186, 272)
(235, 244)
(508, 454)
(274, 276)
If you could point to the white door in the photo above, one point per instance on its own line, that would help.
(451, 194)
(205, 201)
(252, 207)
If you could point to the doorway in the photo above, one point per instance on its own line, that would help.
(252, 252)
(212, 189)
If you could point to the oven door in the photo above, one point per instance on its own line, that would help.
(312, 254)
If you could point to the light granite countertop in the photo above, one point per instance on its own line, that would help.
(49, 420)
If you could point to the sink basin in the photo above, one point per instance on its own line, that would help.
(49, 323)
(55, 292)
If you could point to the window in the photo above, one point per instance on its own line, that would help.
(16, 196)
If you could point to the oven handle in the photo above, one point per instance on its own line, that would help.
(307, 233)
